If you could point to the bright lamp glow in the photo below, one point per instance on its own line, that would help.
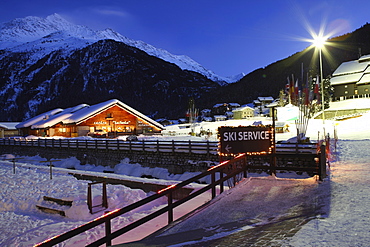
(319, 41)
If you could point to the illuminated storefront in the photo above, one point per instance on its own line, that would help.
(108, 119)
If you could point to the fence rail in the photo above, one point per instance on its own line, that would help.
(199, 147)
(240, 167)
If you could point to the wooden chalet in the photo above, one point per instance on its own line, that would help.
(111, 117)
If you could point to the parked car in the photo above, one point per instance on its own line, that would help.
(98, 133)
(131, 138)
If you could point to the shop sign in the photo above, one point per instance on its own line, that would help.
(245, 139)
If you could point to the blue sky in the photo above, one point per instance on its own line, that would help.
(227, 37)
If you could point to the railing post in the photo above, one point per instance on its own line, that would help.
(118, 144)
(222, 183)
(105, 198)
(173, 146)
(189, 146)
(108, 232)
(213, 179)
(245, 167)
(322, 162)
(157, 146)
(51, 170)
(170, 208)
(143, 142)
(89, 198)
(13, 166)
(208, 148)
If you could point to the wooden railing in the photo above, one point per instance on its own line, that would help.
(200, 147)
(239, 167)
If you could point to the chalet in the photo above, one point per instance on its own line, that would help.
(2, 129)
(243, 112)
(111, 117)
(8, 129)
(222, 108)
(352, 79)
(261, 103)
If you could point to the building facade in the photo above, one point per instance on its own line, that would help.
(352, 79)
(108, 119)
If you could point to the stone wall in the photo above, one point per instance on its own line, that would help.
(176, 163)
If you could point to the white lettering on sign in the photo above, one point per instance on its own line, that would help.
(246, 135)
(121, 122)
(101, 122)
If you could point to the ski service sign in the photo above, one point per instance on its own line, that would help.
(245, 139)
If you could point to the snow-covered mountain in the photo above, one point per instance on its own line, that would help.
(48, 63)
(54, 32)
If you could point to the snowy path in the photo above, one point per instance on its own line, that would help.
(348, 223)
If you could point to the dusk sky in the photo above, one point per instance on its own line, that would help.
(227, 37)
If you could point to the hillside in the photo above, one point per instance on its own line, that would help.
(268, 81)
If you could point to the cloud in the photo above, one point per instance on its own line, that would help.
(112, 12)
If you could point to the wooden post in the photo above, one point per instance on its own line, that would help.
(13, 166)
(89, 198)
(51, 170)
(108, 232)
(170, 208)
(322, 163)
(105, 198)
(213, 179)
(222, 183)
(207, 148)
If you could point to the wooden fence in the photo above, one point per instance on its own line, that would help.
(199, 147)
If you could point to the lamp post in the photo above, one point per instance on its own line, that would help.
(319, 43)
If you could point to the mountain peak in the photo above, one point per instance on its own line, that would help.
(22, 30)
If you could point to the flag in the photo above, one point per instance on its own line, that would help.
(287, 86)
(296, 89)
(316, 88)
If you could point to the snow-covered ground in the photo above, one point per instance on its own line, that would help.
(345, 224)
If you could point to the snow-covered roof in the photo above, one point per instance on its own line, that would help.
(38, 118)
(234, 104)
(9, 125)
(364, 79)
(80, 113)
(357, 71)
(265, 98)
(350, 68)
(243, 108)
(345, 79)
(57, 118)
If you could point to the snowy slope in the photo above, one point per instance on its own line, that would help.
(54, 32)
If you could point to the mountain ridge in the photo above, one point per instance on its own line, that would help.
(31, 28)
